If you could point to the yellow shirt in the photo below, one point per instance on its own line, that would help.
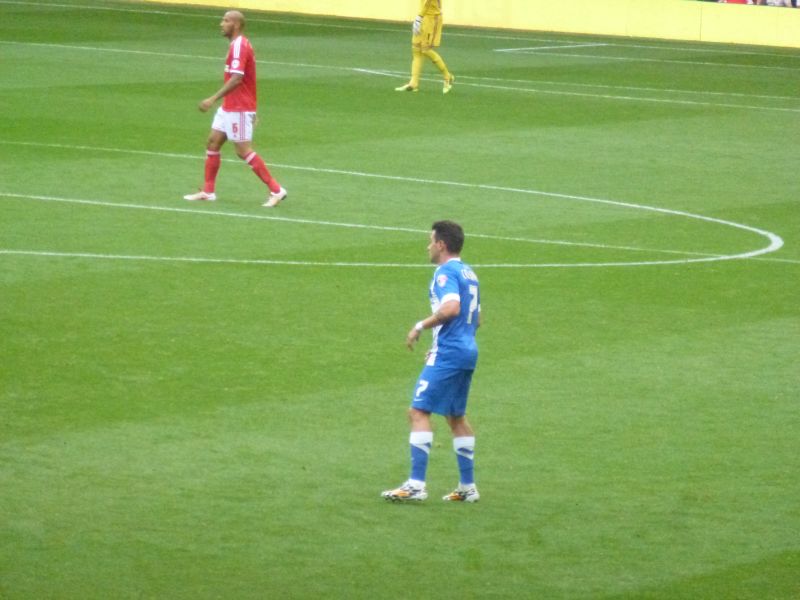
(430, 8)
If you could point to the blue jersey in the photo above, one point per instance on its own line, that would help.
(454, 342)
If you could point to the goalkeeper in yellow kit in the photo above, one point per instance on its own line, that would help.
(427, 30)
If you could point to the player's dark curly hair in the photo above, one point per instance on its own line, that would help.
(451, 233)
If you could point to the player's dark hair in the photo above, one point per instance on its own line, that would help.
(451, 234)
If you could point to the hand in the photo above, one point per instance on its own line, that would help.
(412, 338)
(206, 104)
(417, 26)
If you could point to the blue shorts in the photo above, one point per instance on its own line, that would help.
(442, 391)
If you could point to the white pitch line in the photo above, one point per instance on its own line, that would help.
(477, 186)
(529, 90)
(775, 241)
(198, 259)
(633, 88)
(752, 107)
(782, 260)
(110, 50)
(666, 61)
(375, 72)
(464, 80)
(555, 47)
(300, 221)
(299, 263)
(402, 29)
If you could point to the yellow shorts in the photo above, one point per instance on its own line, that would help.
(430, 35)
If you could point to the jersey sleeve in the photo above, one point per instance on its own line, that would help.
(249, 62)
(236, 67)
(445, 285)
(239, 57)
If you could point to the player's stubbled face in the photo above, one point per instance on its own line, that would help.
(226, 26)
(433, 249)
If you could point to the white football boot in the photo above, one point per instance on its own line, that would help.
(201, 196)
(406, 493)
(276, 198)
(463, 493)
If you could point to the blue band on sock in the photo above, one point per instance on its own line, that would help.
(419, 461)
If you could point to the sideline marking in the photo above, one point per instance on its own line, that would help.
(555, 47)
(601, 86)
(624, 87)
(478, 186)
(401, 29)
(603, 96)
(667, 61)
(775, 241)
(529, 90)
(299, 263)
(783, 260)
(218, 213)
(192, 259)
(634, 98)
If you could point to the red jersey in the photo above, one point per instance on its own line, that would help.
(241, 60)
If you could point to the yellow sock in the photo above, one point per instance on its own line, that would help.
(438, 61)
(416, 67)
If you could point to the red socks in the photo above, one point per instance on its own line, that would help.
(212, 168)
(213, 160)
(257, 164)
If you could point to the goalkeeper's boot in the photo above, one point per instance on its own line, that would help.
(463, 493)
(448, 84)
(201, 196)
(276, 198)
(406, 493)
(406, 88)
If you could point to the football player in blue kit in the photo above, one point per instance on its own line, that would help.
(443, 386)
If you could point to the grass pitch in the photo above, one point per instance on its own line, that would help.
(206, 401)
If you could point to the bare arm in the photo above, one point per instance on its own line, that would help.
(230, 85)
(448, 310)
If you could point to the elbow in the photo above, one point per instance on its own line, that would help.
(450, 311)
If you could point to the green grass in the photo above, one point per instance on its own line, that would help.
(198, 429)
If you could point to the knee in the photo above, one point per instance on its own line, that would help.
(215, 140)
(243, 150)
(460, 426)
(417, 417)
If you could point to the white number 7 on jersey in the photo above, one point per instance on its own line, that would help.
(473, 303)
